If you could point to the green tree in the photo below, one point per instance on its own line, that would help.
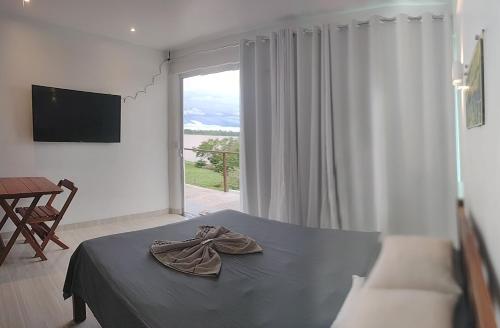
(216, 159)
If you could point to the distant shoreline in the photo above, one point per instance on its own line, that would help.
(219, 133)
(194, 141)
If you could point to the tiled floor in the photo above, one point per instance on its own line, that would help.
(202, 200)
(31, 290)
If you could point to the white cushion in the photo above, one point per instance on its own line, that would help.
(408, 262)
(350, 301)
(397, 308)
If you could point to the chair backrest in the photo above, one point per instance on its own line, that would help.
(72, 188)
(67, 184)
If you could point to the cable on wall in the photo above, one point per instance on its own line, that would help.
(152, 83)
(230, 45)
(168, 60)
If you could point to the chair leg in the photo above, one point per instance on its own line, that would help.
(43, 231)
(46, 241)
(37, 232)
(58, 242)
(44, 227)
(51, 235)
(30, 238)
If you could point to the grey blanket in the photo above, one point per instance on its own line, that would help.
(299, 280)
(199, 256)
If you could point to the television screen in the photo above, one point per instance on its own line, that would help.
(61, 115)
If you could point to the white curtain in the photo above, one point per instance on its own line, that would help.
(351, 126)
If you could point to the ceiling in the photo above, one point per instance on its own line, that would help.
(165, 24)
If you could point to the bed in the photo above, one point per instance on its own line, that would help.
(300, 280)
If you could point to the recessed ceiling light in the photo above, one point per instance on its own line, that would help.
(25, 2)
(132, 29)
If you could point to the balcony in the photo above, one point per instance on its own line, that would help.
(201, 201)
(210, 187)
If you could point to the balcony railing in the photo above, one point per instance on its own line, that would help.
(224, 162)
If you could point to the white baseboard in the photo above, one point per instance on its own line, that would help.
(91, 223)
(175, 211)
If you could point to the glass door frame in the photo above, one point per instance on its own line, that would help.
(195, 72)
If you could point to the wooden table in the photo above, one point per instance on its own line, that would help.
(16, 189)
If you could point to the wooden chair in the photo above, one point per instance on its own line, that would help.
(43, 214)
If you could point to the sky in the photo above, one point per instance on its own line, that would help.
(212, 102)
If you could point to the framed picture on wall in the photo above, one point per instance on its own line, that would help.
(475, 92)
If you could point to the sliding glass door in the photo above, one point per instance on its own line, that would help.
(211, 142)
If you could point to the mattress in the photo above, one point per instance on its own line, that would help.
(300, 280)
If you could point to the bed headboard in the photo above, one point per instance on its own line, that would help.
(477, 288)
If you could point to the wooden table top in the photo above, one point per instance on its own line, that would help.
(11, 188)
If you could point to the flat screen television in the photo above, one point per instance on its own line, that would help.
(61, 115)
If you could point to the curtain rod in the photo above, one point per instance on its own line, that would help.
(340, 26)
(393, 19)
(383, 20)
(367, 23)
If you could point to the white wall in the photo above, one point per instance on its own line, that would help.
(114, 179)
(481, 146)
